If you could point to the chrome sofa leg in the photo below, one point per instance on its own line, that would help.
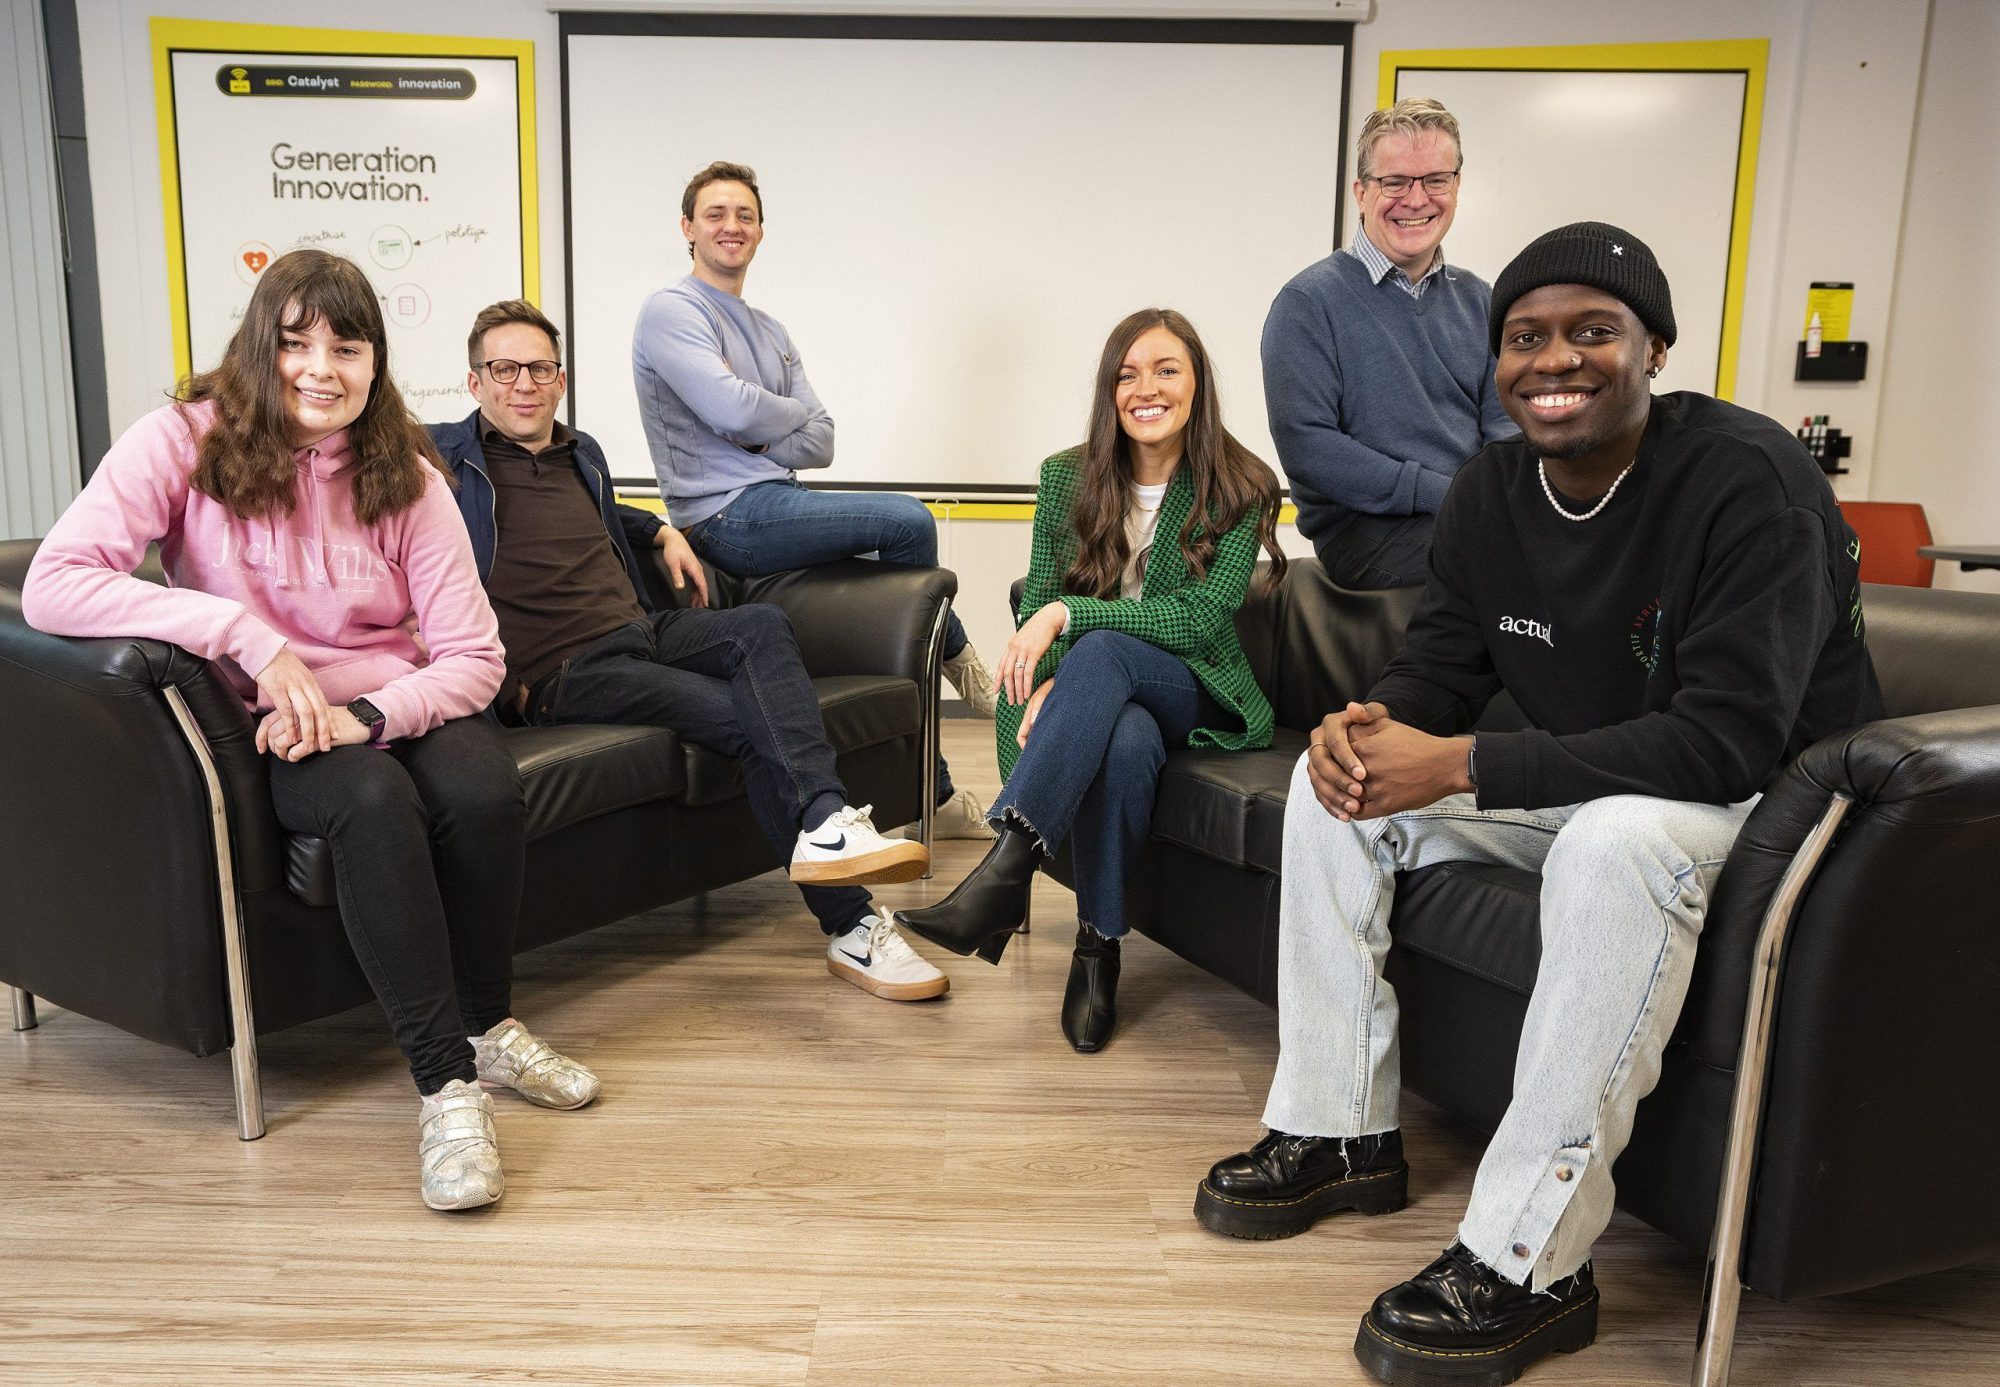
(1723, 1294)
(930, 735)
(235, 954)
(24, 1009)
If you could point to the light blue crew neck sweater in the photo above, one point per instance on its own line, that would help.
(724, 399)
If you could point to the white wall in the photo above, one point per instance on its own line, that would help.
(1939, 444)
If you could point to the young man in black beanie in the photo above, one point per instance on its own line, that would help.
(1668, 591)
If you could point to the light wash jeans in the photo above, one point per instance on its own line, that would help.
(1625, 884)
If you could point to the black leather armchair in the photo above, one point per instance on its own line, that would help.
(1820, 1123)
(149, 885)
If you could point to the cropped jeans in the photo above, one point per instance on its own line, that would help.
(773, 527)
(1626, 882)
(1092, 764)
(730, 681)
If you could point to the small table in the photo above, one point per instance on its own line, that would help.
(1969, 559)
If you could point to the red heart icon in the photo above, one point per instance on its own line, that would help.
(256, 260)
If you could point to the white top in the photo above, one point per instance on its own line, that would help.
(1141, 521)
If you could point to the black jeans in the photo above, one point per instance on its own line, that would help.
(428, 840)
(1379, 551)
(730, 681)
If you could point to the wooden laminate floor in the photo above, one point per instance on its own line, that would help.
(786, 1181)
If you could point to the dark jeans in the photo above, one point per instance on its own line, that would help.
(1379, 551)
(428, 841)
(1092, 763)
(730, 681)
(775, 526)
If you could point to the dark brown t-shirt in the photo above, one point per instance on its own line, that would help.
(557, 582)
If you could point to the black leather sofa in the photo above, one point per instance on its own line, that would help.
(1869, 1153)
(148, 884)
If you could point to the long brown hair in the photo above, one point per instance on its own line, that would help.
(245, 459)
(1228, 478)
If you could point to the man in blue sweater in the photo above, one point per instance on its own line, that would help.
(1377, 375)
(731, 419)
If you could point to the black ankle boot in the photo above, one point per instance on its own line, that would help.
(1090, 1002)
(980, 914)
(1458, 1321)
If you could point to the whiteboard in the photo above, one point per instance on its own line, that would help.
(1654, 153)
(408, 163)
(953, 226)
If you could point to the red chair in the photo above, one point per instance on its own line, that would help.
(1891, 532)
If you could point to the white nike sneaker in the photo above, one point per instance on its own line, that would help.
(974, 682)
(876, 958)
(847, 851)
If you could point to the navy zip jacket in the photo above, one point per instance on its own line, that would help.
(630, 529)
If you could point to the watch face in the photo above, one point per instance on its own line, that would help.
(367, 713)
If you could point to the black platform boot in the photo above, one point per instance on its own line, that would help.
(1090, 1002)
(980, 914)
(1459, 1321)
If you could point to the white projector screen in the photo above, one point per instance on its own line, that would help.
(953, 225)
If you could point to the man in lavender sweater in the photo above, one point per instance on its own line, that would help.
(731, 419)
(1377, 375)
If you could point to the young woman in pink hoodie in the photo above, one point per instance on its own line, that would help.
(314, 553)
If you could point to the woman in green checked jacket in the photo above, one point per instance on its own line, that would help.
(1126, 647)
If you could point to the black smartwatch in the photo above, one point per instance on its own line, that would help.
(370, 717)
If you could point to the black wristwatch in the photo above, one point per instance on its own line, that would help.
(370, 717)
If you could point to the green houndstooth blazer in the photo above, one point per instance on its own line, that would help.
(1192, 619)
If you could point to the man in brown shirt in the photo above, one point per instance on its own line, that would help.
(557, 554)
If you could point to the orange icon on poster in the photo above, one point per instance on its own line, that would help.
(256, 260)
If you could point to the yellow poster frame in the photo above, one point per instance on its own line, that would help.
(170, 35)
(1750, 57)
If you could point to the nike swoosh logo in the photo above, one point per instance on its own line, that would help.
(835, 846)
(863, 959)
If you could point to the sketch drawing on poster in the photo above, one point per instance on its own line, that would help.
(411, 156)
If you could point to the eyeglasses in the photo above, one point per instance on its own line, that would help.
(1396, 184)
(507, 372)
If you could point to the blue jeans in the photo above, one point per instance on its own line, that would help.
(1093, 761)
(730, 681)
(774, 527)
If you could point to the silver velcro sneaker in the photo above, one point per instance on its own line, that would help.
(509, 1057)
(455, 1141)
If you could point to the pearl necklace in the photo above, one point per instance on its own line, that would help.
(1602, 501)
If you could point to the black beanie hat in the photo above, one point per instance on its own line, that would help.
(1592, 253)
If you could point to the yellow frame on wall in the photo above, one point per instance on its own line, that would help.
(1747, 56)
(170, 35)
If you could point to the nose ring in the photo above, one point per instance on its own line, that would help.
(1575, 361)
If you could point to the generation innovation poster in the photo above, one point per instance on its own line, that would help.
(412, 156)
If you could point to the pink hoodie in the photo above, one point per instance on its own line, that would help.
(392, 612)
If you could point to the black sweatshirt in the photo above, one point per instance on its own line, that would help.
(1685, 643)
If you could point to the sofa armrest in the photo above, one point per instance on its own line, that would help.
(856, 616)
(1875, 1155)
(104, 828)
